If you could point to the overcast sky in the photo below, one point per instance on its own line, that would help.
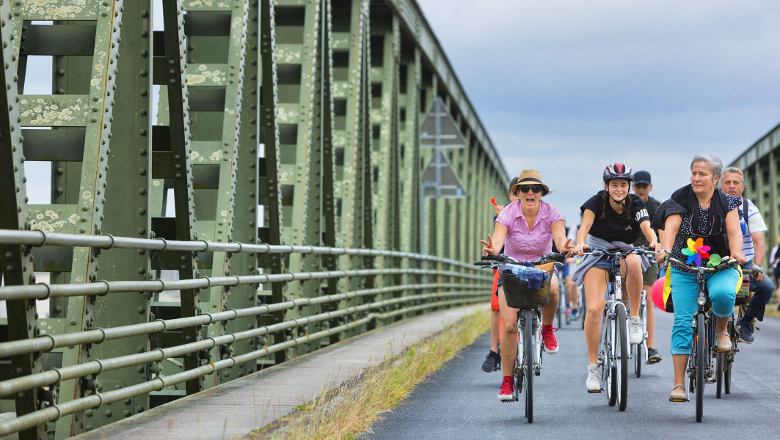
(567, 87)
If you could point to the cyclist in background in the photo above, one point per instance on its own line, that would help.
(565, 274)
(572, 292)
(612, 219)
(753, 227)
(700, 210)
(527, 227)
(642, 187)
(492, 360)
(774, 259)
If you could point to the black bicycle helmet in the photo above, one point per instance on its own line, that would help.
(618, 171)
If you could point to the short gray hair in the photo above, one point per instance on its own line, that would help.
(735, 170)
(713, 161)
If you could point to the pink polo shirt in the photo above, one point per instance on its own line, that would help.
(521, 243)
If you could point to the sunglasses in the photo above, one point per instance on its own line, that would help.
(525, 188)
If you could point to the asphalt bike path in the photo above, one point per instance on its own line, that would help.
(460, 400)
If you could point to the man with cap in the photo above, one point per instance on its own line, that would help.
(642, 187)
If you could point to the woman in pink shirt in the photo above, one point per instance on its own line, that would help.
(526, 229)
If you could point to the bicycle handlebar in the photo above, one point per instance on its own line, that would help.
(728, 262)
(487, 260)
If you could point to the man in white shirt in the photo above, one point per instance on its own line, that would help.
(753, 227)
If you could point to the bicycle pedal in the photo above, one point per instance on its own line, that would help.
(679, 400)
(594, 391)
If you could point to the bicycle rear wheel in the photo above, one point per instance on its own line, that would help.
(701, 357)
(729, 360)
(638, 351)
(528, 348)
(621, 357)
(719, 374)
(561, 315)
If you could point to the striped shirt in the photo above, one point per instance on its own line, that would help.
(756, 223)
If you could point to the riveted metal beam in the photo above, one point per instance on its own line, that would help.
(172, 138)
(16, 260)
(246, 192)
(216, 38)
(82, 99)
(270, 182)
(127, 211)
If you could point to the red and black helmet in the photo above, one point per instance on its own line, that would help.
(618, 171)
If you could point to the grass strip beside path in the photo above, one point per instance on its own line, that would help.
(353, 407)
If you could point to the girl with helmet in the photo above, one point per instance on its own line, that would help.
(611, 220)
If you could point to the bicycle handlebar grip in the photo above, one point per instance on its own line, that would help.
(556, 256)
(493, 257)
(482, 263)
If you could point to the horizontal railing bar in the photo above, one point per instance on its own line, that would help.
(41, 238)
(15, 385)
(44, 291)
(55, 412)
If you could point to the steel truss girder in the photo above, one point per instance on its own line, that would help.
(214, 33)
(82, 101)
(16, 261)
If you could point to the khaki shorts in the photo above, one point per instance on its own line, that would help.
(651, 275)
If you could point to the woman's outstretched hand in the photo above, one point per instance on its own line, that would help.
(488, 248)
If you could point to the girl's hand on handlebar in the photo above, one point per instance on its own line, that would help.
(660, 256)
(655, 246)
(739, 257)
(580, 249)
(488, 248)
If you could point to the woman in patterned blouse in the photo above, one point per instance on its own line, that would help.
(701, 210)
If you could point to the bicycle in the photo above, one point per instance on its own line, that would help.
(530, 344)
(703, 350)
(613, 344)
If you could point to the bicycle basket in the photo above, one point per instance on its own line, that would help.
(520, 296)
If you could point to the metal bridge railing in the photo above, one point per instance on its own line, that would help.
(456, 284)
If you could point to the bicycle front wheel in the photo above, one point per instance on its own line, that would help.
(621, 357)
(528, 348)
(701, 357)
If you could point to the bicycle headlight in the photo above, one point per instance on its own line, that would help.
(701, 300)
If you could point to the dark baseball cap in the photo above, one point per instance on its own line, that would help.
(642, 177)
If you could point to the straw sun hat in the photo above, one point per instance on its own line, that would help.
(531, 178)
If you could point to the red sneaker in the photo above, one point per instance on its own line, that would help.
(550, 343)
(507, 389)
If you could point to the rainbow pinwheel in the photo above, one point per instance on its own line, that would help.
(696, 251)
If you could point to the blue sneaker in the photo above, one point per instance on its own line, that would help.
(575, 313)
(745, 328)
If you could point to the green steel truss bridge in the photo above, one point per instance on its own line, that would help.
(226, 192)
